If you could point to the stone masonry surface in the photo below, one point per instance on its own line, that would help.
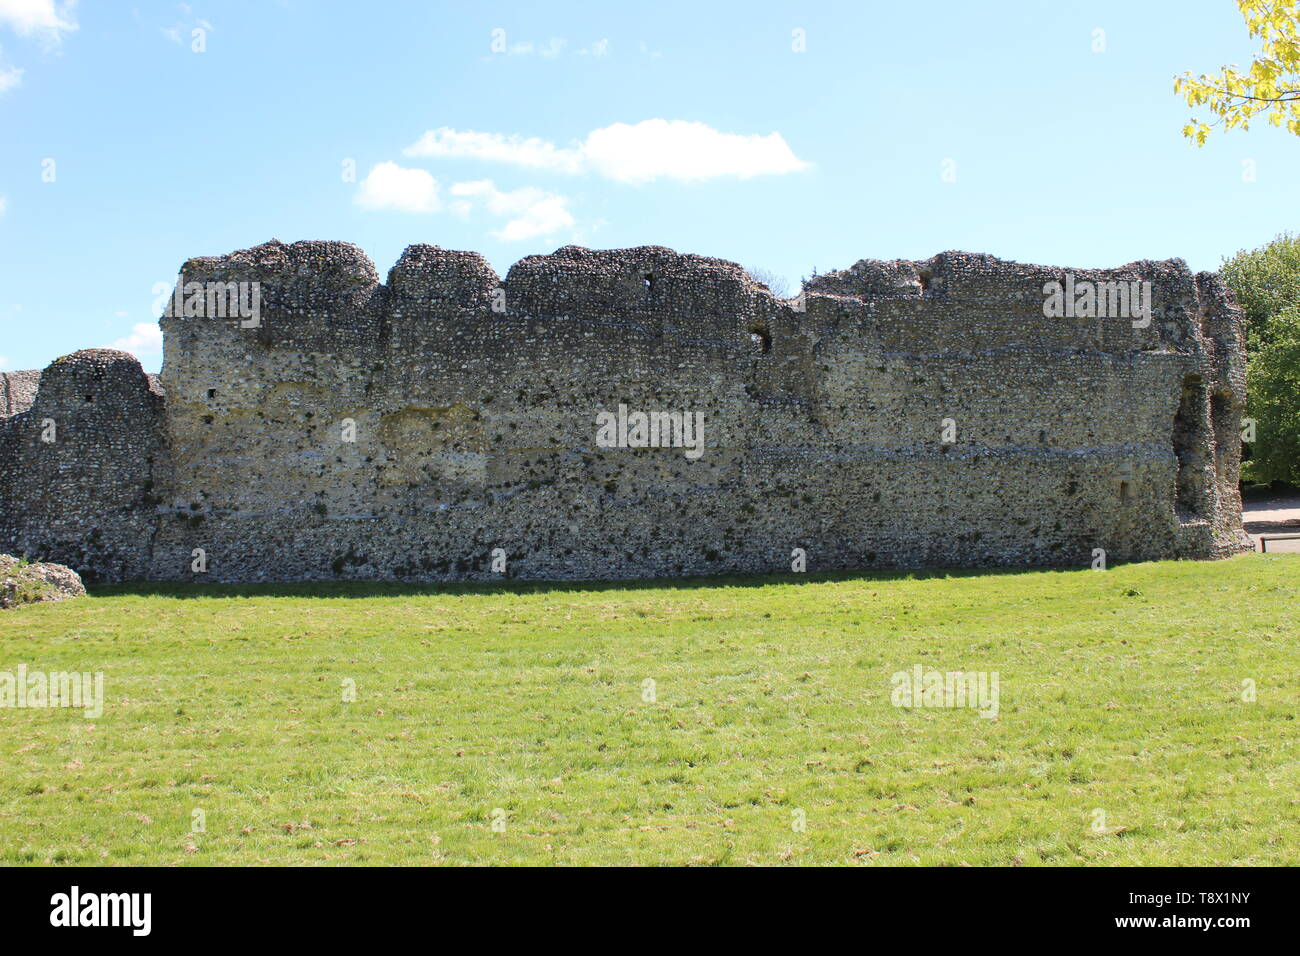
(898, 414)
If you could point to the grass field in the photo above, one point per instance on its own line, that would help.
(1120, 692)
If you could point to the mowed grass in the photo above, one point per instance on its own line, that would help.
(1120, 692)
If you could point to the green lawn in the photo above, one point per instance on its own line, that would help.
(1120, 691)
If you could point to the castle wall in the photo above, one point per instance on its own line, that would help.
(77, 467)
(473, 404)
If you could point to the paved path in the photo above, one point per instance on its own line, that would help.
(1279, 514)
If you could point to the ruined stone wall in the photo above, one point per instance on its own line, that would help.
(901, 414)
(77, 467)
(17, 391)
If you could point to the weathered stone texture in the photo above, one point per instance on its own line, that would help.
(32, 583)
(17, 391)
(475, 402)
(76, 468)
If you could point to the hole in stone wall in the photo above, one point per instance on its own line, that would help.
(1225, 435)
(212, 393)
(1125, 493)
(1190, 440)
(760, 341)
(924, 276)
(649, 280)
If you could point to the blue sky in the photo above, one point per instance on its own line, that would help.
(898, 131)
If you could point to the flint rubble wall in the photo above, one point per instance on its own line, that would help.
(474, 404)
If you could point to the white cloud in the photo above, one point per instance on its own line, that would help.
(599, 48)
(655, 148)
(550, 50)
(629, 153)
(4, 204)
(4, 362)
(530, 212)
(10, 77)
(145, 339)
(45, 19)
(389, 186)
(466, 144)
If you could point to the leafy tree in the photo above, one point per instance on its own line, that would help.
(1270, 88)
(1266, 283)
(1273, 387)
